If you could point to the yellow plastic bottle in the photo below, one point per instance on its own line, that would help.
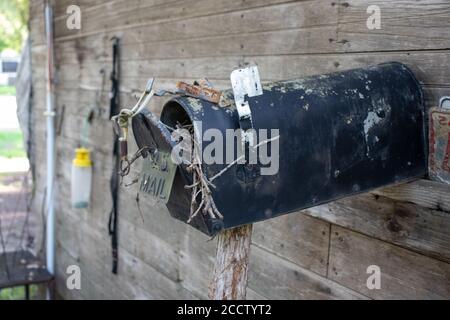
(81, 178)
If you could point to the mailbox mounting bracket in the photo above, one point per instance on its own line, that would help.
(245, 82)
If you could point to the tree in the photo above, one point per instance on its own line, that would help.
(13, 23)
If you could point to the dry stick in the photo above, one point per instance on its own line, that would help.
(229, 281)
(207, 205)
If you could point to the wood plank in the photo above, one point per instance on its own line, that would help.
(425, 65)
(295, 237)
(420, 229)
(289, 41)
(90, 289)
(425, 193)
(404, 274)
(252, 295)
(196, 261)
(135, 277)
(256, 17)
(405, 25)
(60, 7)
(276, 278)
(121, 15)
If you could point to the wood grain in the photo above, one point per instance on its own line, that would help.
(420, 229)
(296, 237)
(404, 274)
(229, 280)
(276, 278)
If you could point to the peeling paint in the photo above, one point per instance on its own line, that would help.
(372, 120)
(195, 104)
(230, 111)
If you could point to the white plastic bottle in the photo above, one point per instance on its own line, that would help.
(81, 178)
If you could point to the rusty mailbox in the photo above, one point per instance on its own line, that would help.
(337, 135)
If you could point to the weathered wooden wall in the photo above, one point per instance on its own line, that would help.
(319, 253)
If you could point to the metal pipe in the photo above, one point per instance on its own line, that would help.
(50, 114)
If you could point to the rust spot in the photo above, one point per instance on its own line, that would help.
(200, 91)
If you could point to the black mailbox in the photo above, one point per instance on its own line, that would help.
(339, 134)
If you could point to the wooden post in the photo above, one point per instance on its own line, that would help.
(229, 280)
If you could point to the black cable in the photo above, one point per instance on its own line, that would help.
(114, 182)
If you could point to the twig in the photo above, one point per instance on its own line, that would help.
(201, 184)
(138, 203)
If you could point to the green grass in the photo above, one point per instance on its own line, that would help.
(11, 144)
(17, 293)
(7, 91)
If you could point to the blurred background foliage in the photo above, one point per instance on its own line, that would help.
(13, 24)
